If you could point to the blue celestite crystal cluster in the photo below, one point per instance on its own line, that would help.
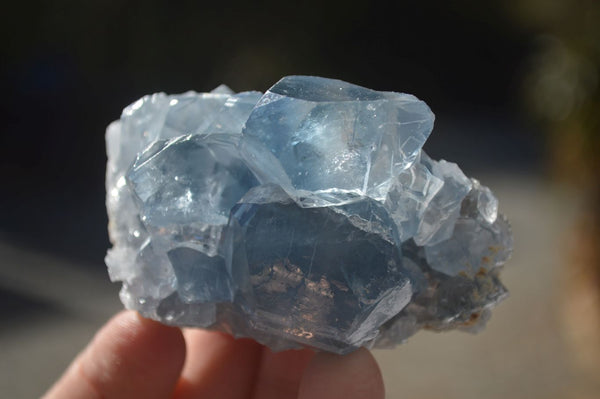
(305, 216)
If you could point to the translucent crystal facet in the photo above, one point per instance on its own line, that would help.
(308, 275)
(330, 134)
(307, 216)
(170, 178)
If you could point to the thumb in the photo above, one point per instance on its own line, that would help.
(129, 357)
(351, 376)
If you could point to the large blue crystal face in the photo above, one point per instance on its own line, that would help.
(307, 216)
(311, 284)
(330, 134)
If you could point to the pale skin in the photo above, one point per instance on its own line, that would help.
(133, 357)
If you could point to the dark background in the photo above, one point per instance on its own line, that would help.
(69, 67)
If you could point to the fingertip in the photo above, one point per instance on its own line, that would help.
(280, 373)
(129, 357)
(351, 376)
(217, 366)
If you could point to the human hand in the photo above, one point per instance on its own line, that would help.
(133, 357)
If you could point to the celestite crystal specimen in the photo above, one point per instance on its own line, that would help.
(307, 216)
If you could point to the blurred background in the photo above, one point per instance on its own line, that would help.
(515, 88)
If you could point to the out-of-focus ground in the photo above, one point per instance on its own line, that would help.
(522, 353)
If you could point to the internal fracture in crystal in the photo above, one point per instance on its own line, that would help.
(305, 216)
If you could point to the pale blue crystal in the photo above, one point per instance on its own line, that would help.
(186, 187)
(474, 247)
(307, 216)
(220, 112)
(172, 177)
(156, 117)
(330, 134)
(480, 203)
(443, 210)
(308, 273)
(146, 273)
(480, 241)
(411, 196)
(172, 310)
(148, 119)
(200, 278)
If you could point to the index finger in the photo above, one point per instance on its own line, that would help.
(129, 357)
